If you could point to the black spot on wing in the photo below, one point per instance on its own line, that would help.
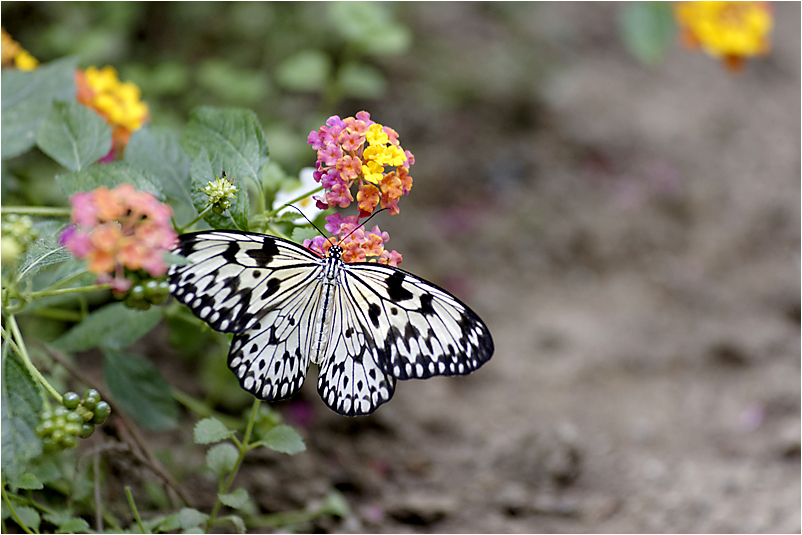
(373, 313)
(272, 287)
(230, 254)
(426, 307)
(395, 288)
(264, 255)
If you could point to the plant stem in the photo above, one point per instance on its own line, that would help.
(200, 216)
(134, 509)
(14, 513)
(22, 351)
(299, 198)
(51, 211)
(92, 288)
(204, 410)
(243, 449)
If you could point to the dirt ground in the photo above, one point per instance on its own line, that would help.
(631, 236)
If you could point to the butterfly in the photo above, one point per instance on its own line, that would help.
(365, 324)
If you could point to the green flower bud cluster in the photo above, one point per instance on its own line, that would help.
(153, 292)
(17, 234)
(220, 191)
(61, 428)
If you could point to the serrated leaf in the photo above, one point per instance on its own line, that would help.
(114, 326)
(110, 175)
(190, 518)
(29, 516)
(236, 499)
(233, 139)
(141, 390)
(209, 431)
(30, 482)
(203, 171)
(283, 439)
(299, 234)
(20, 408)
(43, 252)
(647, 29)
(158, 151)
(221, 458)
(27, 99)
(74, 135)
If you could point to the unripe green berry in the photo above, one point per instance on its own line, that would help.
(47, 426)
(102, 412)
(57, 435)
(46, 415)
(86, 430)
(72, 429)
(91, 399)
(71, 400)
(60, 411)
(75, 417)
(69, 441)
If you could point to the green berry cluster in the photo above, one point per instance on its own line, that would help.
(153, 292)
(61, 428)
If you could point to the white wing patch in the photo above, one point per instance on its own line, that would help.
(367, 325)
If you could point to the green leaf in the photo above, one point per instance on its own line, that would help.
(27, 99)
(110, 175)
(236, 499)
(141, 390)
(202, 172)
(307, 70)
(283, 439)
(20, 408)
(171, 523)
(175, 259)
(190, 518)
(74, 135)
(210, 430)
(29, 517)
(370, 26)
(335, 504)
(647, 29)
(44, 251)
(30, 482)
(233, 139)
(74, 525)
(361, 81)
(158, 151)
(221, 458)
(114, 326)
(239, 524)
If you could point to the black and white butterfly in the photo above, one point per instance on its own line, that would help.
(364, 324)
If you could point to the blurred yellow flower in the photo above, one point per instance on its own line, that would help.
(728, 30)
(13, 55)
(117, 102)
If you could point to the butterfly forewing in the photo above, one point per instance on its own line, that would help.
(366, 325)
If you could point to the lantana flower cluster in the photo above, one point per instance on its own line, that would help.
(117, 102)
(13, 55)
(118, 229)
(731, 31)
(357, 151)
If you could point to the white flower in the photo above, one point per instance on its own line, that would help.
(307, 205)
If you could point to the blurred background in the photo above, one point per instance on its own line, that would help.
(623, 212)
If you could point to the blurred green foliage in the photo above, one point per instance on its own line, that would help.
(292, 63)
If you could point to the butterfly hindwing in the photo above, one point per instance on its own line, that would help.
(420, 329)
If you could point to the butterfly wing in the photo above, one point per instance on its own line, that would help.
(390, 324)
(262, 289)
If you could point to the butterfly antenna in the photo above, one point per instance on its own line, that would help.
(309, 220)
(377, 212)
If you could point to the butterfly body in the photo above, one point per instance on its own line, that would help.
(365, 324)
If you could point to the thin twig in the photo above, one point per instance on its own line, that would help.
(98, 505)
(131, 430)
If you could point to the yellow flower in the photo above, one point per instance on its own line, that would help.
(14, 55)
(727, 30)
(117, 102)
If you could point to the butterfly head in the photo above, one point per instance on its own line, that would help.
(335, 251)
